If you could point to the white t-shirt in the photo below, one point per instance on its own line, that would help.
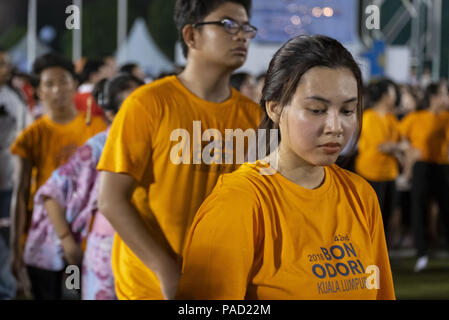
(14, 117)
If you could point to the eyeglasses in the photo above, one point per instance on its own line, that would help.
(232, 27)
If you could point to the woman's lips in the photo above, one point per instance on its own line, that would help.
(331, 148)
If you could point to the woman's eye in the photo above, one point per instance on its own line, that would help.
(348, 112)
(317, 111)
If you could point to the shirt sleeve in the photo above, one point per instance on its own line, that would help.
(23, 145)
(221, 246)
(370, 137)
(386, 287)
(129, 144)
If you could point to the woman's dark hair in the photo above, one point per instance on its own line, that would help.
(432, 89)
(192, 11)
(51, 60)
(237, 80)
(376, 90)
(107, 92)
(293, 60)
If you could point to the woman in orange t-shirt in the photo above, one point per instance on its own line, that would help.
(428, 132)
(293, 225)
(379, 149)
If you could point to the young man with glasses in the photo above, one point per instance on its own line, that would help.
(150, 199)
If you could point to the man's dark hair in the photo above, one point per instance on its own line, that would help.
(90, 67)
(193, 11)
(51, 60)
(128, 68)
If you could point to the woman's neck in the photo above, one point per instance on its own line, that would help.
(296, 169)
(206, 82)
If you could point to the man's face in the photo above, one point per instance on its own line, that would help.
(214, 44)
(5, 68)
(56, 88)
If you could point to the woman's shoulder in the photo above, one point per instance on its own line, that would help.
(350, 180)
(246, 183)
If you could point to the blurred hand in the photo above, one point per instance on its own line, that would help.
(16, 260)
(72, 251)
(169, 279)
(388, 147)
(18, 269)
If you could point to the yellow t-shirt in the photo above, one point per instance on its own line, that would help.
(144, 143)
(429, 133)
(370, 162)
(48, 145)
(264, 237)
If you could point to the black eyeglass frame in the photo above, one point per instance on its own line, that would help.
(222, 23)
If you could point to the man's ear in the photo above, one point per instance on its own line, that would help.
(188, 34)
(274, 111)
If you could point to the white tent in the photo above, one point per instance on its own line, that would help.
(140, 48)
(19, 53)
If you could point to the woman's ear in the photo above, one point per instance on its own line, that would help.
(274, 110)
(188, 35)
(109, 115)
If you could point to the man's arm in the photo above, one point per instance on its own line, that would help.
(114, 202)
(19, 204)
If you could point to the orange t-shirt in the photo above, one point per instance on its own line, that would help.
(49, 145)
(264, 237)
(370, 162)
(152, 131)
(429, 133)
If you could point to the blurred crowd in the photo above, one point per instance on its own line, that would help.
(403, 152)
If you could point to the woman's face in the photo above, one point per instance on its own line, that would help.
(443, 97)
(391, 100)
(321, 117)
(408, 102)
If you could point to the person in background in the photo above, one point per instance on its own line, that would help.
(14, 117)
(93, 72)
(43, 146)
(140, 149)
(428, 131)
(409, 104)
(245, 83)
(379, 145)
(67, 205)
(134, 69)
(259, 87)
(295, 233)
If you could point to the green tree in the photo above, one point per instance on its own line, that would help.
(161, 25)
